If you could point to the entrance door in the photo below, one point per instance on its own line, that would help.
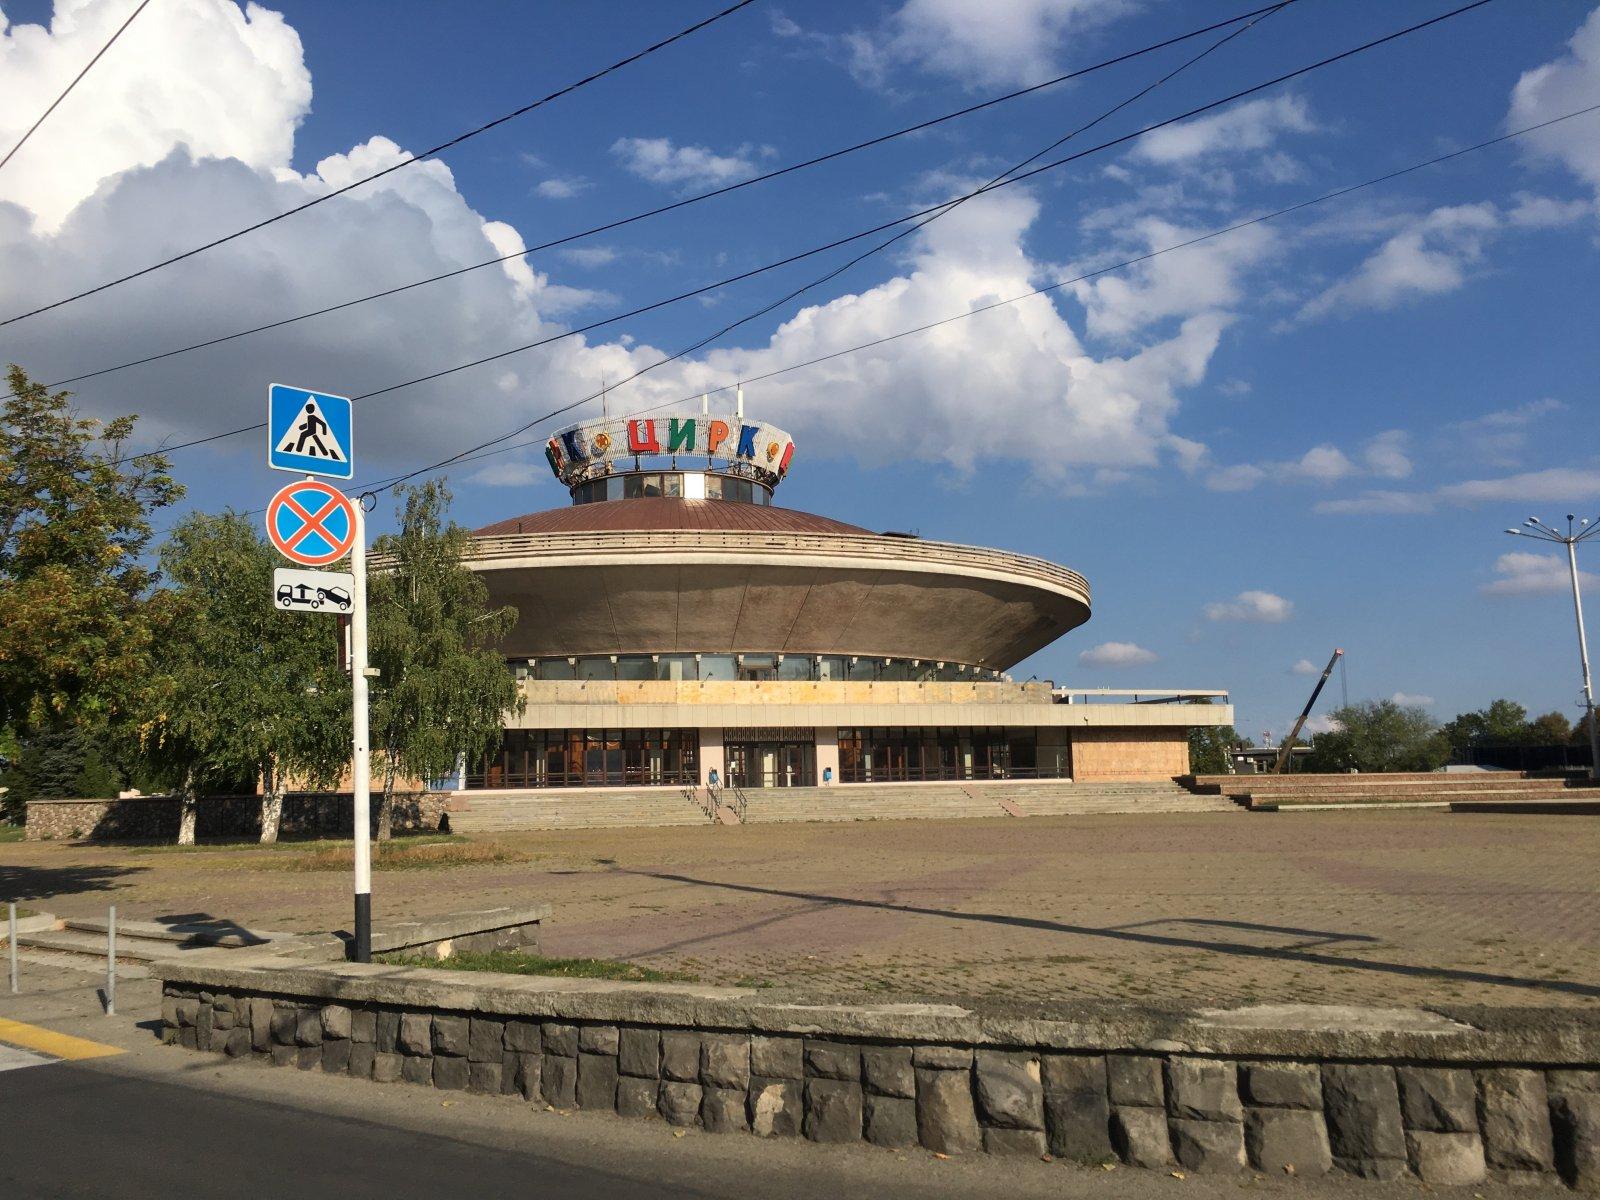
(771, 764)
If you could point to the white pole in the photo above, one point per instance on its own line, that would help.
(361, 765)
(12, 915)
(111, 962)
(1583, 654)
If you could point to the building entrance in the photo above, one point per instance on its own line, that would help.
(766, 764)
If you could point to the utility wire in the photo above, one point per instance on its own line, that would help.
(73, 84)
(404, 162)
(672, 207)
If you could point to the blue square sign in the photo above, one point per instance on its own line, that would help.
(309, 432)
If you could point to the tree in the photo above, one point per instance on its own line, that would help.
(1503, 723)
(442, 688)
(1379, 735)
(1551, 729)
(74, 523)
(1210, 746)
(242, 690)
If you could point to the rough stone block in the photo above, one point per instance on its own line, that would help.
(362, 1057)
(597, 1081)
(725, 1061)
(942, 1058)
(777, 1057)
(1077, 1114)
(722, 1110)
(559, 1039)
(308, 1028)
(225, 1002)
(833, 1060)
(523, 1037)
(1010, 1092)
(508, 1073)
(1140, 1137)
(283, 1056)
(205, 1023)
(636, 1097)
(450, 1073)
(680, 1056)
(189, 1038)
(1557, 1082)
(679, 1102)
(558, 1080)
(1438, 1099)
(529, 1076)
(947, 1118)
(223, 1019)
(597, 1039)
(887, 1071)
(1514, 1115)
(261, 1013)
(335, 1021)
(891, 1121)
(1281, 1085)
(415, 1034)
(1134, 1081)
(1287, 1141)
(386, 1067)
(776, 1106)
(1446, 1159)
(308, 1058)
(417, 1068)
(451, 1036)
(284, 1022)
(833, 1109)
(639, 1053)
(363, 1025)
(483, 1078)
(388, 1031)
(1203, 1089)
(186, 1008)
(235, 1041)
(485, 1039)
(1211, 1147)
(1575, 1124)
(1362, 1104)
(336, 1056)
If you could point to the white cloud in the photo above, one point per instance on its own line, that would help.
(1263, 607)
(1560, 86)
(1378, 501)
(1117, 654)
(1553, 483)
(562, 187)
(1303, 667)
(1525, 574)
(659, 161)
(1411, 700)
(1321, 723)
(1385, 455)
(1244, 128)
(1498, 437)
(1546, 212)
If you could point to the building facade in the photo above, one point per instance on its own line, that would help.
(676, 628)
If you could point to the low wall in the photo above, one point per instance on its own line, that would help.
(1380, 1094)
(1138, 754)
(156, 818)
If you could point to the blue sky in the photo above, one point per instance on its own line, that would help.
(1304, 435)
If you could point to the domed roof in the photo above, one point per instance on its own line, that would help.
(668, 512)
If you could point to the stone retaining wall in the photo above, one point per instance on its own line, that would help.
(1427, 1097)
(156, 818)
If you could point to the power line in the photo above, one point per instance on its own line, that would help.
(619, 223)
(404, 162)
(73, 84)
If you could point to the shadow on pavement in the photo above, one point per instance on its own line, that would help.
(41, 883)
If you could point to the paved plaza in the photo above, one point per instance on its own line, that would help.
(1397, 907)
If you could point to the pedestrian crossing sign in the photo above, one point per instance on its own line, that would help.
(309, 432)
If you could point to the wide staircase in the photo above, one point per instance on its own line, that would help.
(78, 940)
(575, 808)
(1463, 791)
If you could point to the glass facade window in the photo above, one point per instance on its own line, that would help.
(796, 667)
(892, 755)
(717, 666)
(597, 667)
(677, 667)
(758, 667)
(536, 758)
(555, 668)
(635, 666)
(632, 485)
(752, 667)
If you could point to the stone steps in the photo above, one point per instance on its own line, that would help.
(67, 941)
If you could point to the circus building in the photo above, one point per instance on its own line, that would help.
(678, 630)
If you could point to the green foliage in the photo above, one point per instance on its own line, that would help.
(517, 962)
(1551, 729)
(1379, 735)
(443, 688)
(57, 760)
(1211, 745)
(1506, 723)
(74, 522)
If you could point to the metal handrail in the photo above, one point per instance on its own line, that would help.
(741, 802)
(692, 795)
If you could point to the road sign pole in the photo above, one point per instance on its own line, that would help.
(361, 768)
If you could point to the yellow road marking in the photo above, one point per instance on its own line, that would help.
(47, 1041)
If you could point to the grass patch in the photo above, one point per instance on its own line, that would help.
(290, 844)
(517, 962)
(412, 854)
(13, 833)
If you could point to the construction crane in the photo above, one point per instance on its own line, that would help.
(1288, 742)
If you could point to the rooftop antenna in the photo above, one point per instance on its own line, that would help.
(740, 402)
(605, 406)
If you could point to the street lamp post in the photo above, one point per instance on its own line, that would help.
(1577, 531)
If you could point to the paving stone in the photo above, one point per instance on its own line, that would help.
(388, 1031)
(1362, 1105)
(335, 1021)
(833, 1109)
(282, 1056)
(523, 1037)
(1134, 1081)
(417, 1068)
(451, 1036)
(722, 1110)
(362, 1057)
(1575, 1124)
(777, 1057)
(1446, 1159)
(1514, 1116)
(891, 1121)
(776, 1106)
(1203, 1089)
(725, 1061)
(386, 1067)
(636, 1097)
(887, 1071)
(559, 1039)
(1028, 1143)
(558, 1080)
(639, 1053)
(947, 1119)
(450, 1073)
(307, 1030)
(1281, 1085)
(1140, 1137)
(415, 1034)
(1209, 1147)
(261, 1013)
(336, 1056)
(308, 1058)
(597, 1039)
(833, 1060)
(1438, 1099)
(679, 1102)
(942, 1058)
(1287, 1141)
(363, 1025)
(680, 1056)
(597, 1081)
(1010, 1094)
(528, 1075)
(485, 1040)
(483, 1078)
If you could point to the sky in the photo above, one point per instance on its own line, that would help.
(1305, 434)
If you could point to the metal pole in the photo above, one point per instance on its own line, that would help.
(1583, 655)
(12, 915)
(111, 962)
(361, 765)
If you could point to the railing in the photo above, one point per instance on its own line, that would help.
(741, 802)
(1069, 695)
(870, 547)
(707, 806)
